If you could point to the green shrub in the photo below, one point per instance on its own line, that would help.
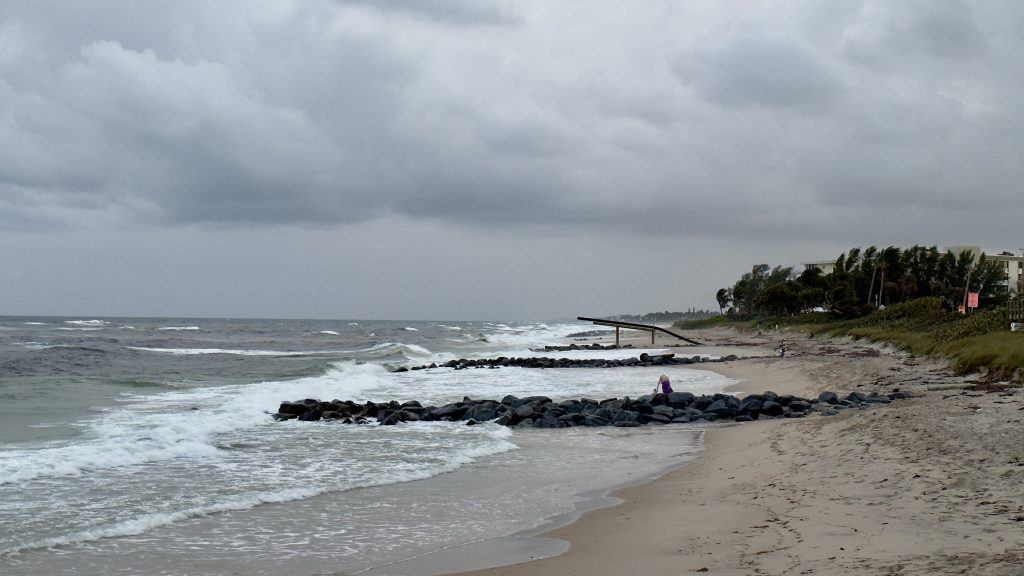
(976, 342)
(973, 325)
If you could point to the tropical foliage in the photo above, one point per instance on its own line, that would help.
(863, 281)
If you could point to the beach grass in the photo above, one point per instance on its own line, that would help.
(979, 342)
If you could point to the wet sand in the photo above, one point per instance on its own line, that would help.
(930, 485)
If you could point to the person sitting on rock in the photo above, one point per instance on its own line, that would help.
(664, 384)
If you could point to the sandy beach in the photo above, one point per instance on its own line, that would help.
(930, 485)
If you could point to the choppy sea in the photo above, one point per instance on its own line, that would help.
(146, 446)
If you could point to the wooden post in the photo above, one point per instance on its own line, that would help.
(616, 335)
(652, 337)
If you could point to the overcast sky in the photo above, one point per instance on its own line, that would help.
(477, 159)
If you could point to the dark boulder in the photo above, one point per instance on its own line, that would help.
(772, 408)
(481, 413)
(828, 398)
(625, 416)
(680, 399)
(702, 402)
(801, 406)
(524, 411)
(667, 411)
(448, 412)
(856, 397)
(876, 398)
(574, 419)
(726, 407)
(785, 399)
(547, 421)
(654, 419)
(751, 404)
(311, 415)
(297, 408)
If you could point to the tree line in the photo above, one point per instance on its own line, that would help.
(666, 316)
(864, 280)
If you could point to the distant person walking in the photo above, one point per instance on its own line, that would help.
(664, 384)
(782, 349)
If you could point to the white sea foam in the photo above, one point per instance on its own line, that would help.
(197, 351)
(165, 426)
(87, 322)
(35, 323)
(517, 341)
(328, 332)
(179, 328)
(490, 440)
(35, 345)
(409, 351)
(411, 329)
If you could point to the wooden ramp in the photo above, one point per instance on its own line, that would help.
(617, 324)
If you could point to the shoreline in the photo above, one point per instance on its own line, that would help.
(931, 485)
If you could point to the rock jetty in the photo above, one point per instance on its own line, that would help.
(542, 412)
(643, 359)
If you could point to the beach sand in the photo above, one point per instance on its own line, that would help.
(930, 485)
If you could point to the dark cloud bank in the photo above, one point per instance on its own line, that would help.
(633, 157)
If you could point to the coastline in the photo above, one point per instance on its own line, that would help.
(931, 485)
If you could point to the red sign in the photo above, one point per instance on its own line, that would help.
(972, 299)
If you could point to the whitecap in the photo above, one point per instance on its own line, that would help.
(35, 345)
(159, 427)
(409, 351)
(179, 328)
(199, 351)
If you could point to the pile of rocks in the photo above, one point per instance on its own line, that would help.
(542, 412)
(644, 359)
(571, 347)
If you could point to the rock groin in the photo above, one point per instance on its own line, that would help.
(643, 359)
(543, 412)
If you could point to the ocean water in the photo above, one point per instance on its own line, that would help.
(146, 446)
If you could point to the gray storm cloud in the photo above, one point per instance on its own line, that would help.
(849, 120)
(499, 112)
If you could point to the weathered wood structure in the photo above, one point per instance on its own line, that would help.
(618, 324)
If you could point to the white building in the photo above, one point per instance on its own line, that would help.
(1013, 267)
